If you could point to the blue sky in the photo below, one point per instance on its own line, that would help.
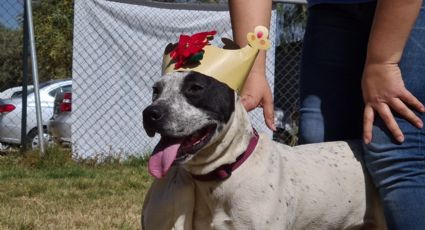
(9, 10)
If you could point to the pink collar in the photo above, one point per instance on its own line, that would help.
(225, 171)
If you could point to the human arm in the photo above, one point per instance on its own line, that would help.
(382, 82)
(245, 16)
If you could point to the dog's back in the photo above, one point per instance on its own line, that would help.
(334, 185)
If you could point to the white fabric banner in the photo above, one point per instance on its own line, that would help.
(117, 54)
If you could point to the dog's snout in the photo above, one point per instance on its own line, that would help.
(153, 116)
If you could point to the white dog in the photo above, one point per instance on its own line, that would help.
(214, 172)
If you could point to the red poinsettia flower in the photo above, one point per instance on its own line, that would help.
(189, 47)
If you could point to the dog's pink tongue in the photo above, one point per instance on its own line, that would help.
(163, 157)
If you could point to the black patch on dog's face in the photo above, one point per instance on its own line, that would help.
(210, 95)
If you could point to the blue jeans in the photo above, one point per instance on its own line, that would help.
(332, 105)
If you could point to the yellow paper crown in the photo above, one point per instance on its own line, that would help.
(229, 66)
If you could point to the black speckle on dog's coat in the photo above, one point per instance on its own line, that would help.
(210, 95)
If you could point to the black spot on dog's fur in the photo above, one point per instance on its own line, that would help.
(210, 95)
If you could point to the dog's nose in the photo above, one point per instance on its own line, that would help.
(153, 117)
(153, 114)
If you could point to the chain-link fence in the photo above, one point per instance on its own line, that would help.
(291, 26)
(113, 71)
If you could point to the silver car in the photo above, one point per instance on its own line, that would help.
(13, 92)
(11, 113)
(59, 126)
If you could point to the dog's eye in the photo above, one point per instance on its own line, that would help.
(194, 88)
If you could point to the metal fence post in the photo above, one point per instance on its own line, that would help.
(35, 76)
(25, 55)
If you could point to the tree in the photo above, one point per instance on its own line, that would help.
(10, 57)
(53, 22)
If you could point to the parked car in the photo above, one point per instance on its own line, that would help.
(13, 92)
(59, 126)
(11, 113)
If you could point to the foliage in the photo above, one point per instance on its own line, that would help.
(10, 57)
(53, 21)
(291, 22)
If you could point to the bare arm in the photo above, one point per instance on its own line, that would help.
(382, 83)
(245, 16)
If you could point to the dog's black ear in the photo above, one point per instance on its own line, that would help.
(229, 44)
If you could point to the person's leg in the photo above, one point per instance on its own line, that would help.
(334, 51)
(398, 170)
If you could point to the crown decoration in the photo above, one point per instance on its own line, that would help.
(229, 66)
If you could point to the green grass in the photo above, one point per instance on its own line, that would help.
(56, 192)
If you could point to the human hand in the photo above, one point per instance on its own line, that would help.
(384, 92)
(257, 93)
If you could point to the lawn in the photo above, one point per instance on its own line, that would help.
(56, 192)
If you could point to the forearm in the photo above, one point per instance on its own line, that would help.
(393, 22)
(245, 16)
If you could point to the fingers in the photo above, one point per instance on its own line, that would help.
(385, 113)
(266, 102)
(368, 118)
(401, 108)
(411, 100)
